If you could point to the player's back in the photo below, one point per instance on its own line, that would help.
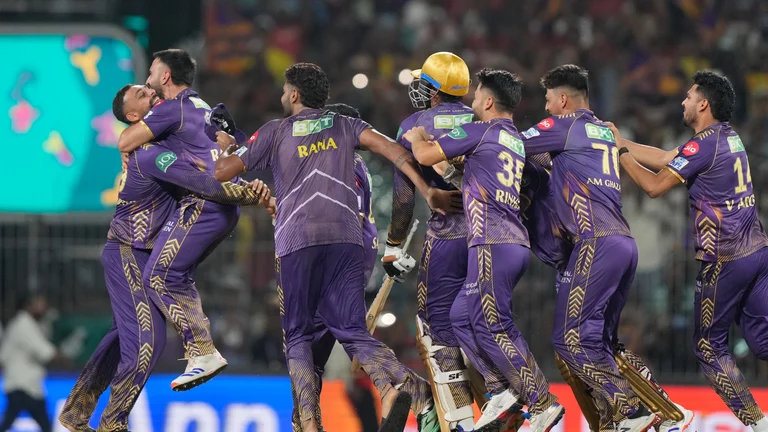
(721, 198)
(440, 119)
(143, 204)
(492, 176)
(585, 173)
(312, 162)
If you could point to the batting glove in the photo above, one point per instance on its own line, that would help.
(397, 263)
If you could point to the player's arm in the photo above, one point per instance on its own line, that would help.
(654, 184)
(164, 117)
(163, 165)
(255, 154)
(549, 135)
(439, 201)
(652, 157)
(403, 204)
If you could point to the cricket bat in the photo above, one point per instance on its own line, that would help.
(372, 317)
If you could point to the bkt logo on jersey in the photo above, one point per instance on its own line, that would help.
(451, 121)
(599, 132)
(309, 127)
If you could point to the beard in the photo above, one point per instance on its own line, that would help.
(286, 110)
(689, 120)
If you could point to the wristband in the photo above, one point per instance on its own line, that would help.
(623, 150)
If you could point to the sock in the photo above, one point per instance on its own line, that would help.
(761, 426)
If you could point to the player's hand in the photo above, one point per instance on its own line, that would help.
(443, 201)
(616, 134)
(124, 158)
(397, 263)
(224, 140)
(271, 206)
(262, 190)
(417, 134)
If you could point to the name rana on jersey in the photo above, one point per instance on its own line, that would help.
(317, 147)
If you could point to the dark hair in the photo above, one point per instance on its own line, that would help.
(718, 90)
(343, 109)
(506, 87)
(311, 82)
(569, 75)
(182, 66)
(446, 98)
(118, 104)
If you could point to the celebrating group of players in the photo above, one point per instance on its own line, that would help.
(495, 194)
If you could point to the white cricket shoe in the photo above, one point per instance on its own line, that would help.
(497, 411)
(681, 426)
(545, 421)
(200, 370)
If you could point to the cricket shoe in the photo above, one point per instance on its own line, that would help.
(498, 411)
(642, 421)
(546, 420)
(200, 370)
(681, 426)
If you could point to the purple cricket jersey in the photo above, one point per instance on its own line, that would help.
(440, 119)
(585, 173)
(365, 202)
(714, 166)
(494, 158)
(312, 159)
(149, 189)
(539, 217)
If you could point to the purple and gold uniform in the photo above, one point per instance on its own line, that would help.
(197, 227)
(443, 265)
(127, 354)
(587, 200)
(494, 158)
(319, 255)
(731, 244)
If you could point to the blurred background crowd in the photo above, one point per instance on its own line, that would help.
(640, 54)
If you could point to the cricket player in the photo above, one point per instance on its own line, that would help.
(438, 86)
(181, 119)
(585, 179)
(732, 285)
(147, 199)
(494, 158)
(318, 236)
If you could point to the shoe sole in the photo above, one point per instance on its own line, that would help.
(198, 381)
(398, 414)
(502, 420)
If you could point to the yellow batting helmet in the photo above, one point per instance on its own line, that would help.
(442, 71)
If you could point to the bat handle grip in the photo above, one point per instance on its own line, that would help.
(410, 234)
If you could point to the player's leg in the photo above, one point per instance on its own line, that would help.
(753, 321)
(496, 269)
(720, 290)
(14, 406)
(597, 267)
(298, 277)
(187, 237)
(342, 308)
(442, 272)
(141, 332)
(92, 382)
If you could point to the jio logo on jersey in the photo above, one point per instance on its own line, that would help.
(546, 124)
(691, 149)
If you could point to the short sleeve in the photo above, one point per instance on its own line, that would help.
(547, 136)
(165, 117)
(356, 128)
(257, 152)
(462, 140)
(692, 159)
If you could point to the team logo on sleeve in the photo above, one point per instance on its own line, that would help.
(253, 137)
(547, 123)
(678, 163)
(457, 133)
(734, 142)
(148, 114)
(530, 133)
(165, 160)
(690, 149)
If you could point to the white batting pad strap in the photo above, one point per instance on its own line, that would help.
(459, 414)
